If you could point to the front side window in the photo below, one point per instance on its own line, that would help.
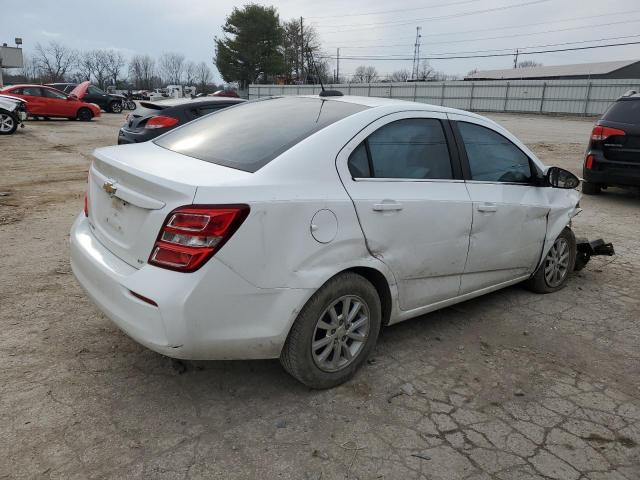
(492, 157)
(53, 94)
(414, 148)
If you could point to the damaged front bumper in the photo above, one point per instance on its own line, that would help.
(586, 249)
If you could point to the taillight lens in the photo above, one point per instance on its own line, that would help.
(192, 235)
(599, 133)
(588, 162)
(86, 204)
(161, 121)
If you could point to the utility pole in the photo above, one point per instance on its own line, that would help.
(338, 65)
(515, 59)
(302, 77)
(416, 55)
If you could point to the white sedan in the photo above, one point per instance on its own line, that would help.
(296, 227)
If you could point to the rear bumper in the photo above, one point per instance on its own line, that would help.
(611, 174)
(126, 137)
(210, 314)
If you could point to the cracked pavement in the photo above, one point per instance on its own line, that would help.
(509, 386)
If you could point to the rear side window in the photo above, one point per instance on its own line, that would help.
(624, 111)
(414, 148)
(249, 135)
(31, 91)
(492, 157)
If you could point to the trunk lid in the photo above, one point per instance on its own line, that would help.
(622, 148)
(132, 189)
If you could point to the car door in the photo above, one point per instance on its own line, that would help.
(404, 178)
(510, 207)
(36, 104)
(57, 103)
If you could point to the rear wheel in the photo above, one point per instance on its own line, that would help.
(590, 188)
(115, 107)
(334, 333)
(84, 114)
(552, 275)
(8, 122)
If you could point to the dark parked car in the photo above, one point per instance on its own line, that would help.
(109, 102)
(151, 119)
(613, 156)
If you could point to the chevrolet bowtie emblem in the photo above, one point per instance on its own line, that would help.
(110, 188)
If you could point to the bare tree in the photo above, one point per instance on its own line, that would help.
(142, 71)
(54, 61)
(529, 64)
(426, 71)
(115, 62)
(203, 76)
(400, 75)
(365, 74)
(84, 66)
(171, 67)
(100, 67)
(29, 71)
(190, 73)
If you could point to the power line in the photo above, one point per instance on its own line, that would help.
(511, 27)
(447, 4)
(373, 57)
(441, 17)
(494, 54)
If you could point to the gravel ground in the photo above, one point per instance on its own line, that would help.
(511, 385)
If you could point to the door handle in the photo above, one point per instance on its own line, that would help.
(487, 207)
(387, 206)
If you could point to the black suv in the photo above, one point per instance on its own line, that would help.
(108, 102)
(613, 156)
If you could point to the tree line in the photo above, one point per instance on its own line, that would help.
(55, 62)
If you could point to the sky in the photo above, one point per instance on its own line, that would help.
(370, 28)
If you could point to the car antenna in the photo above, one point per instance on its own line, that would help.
(323, 93)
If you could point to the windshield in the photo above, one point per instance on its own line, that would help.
(95, 91)
(250, 135)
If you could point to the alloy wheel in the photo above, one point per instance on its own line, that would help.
(6, 122)
(340, 333)
(556, 264)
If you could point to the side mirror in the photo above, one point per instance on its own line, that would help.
(560, 178)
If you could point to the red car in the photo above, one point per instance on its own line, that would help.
(48, 102)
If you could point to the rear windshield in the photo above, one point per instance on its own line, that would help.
(624, 111)
(250, 135)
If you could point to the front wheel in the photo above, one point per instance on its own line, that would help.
(334, 332)
(8, 123)
(115, 107)
(84, 114)
(552, 275)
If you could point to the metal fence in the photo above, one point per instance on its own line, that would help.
(581, 97)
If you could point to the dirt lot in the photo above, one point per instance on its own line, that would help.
(510, 386)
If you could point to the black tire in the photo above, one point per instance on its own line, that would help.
(590, 188)
(297, 355)
(8, 122)
(84, 115)
(131, 105)
(539, 282)
(115, 107)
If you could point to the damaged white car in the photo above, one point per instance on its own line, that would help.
(13, 111)
(297, 227)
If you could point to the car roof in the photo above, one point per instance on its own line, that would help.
(22, 85)
(374, 102)
(175, 102)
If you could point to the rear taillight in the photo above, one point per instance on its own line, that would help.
(86, 204)
(588, 162)
(192, 235)
(599, 133)
(161, 121)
